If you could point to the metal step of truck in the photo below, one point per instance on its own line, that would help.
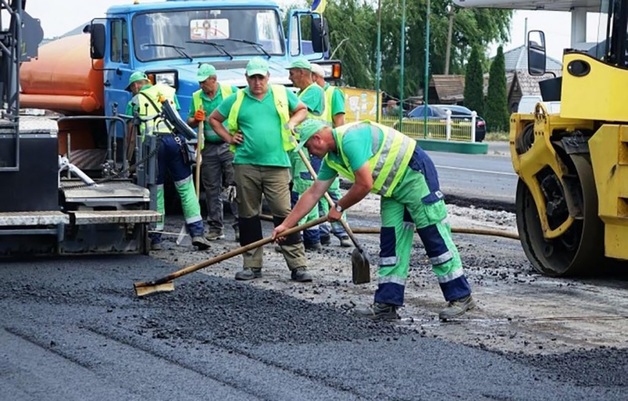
(113, 216)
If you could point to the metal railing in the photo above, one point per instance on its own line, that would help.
(451, 129)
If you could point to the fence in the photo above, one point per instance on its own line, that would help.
(461, 129)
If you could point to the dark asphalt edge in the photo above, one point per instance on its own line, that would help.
(465, 201)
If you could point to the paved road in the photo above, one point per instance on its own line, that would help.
(72, 329)
(488, 177)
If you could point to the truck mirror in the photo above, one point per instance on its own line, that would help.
(536, 53)
(320, 37)
(97, 41)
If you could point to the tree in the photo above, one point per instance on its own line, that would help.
(353, 38)
(474, 83)
(497, 115)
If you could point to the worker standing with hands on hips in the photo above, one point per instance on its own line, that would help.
(260, 119)
(384, 161)
(147, 102)
(334, 116)
(217, 166)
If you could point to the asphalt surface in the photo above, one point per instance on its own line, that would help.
(73, 329)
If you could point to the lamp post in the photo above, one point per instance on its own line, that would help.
(427, 68)
(450, 13)
(378, 66)
(402, 62)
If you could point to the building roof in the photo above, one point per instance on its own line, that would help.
(449, 88)
(517, 60)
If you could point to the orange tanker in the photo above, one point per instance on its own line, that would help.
(63, 79)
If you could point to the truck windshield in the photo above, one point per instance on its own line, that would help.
(236, 32)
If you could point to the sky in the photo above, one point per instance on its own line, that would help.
(56, 20)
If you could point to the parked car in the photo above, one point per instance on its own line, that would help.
(464, 112)
(413, 120)
(433, 112)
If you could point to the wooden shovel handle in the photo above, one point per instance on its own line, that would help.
(227, 255)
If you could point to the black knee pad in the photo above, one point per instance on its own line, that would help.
(291, 239)
(250, 229)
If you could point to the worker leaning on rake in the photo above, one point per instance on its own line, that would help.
(384, 161)
(146, 101)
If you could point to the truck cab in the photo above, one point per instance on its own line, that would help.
(169, 41)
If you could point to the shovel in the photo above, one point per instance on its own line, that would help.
(360, 267)
(184, 237)
(165, 283)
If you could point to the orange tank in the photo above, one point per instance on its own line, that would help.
(62, 78)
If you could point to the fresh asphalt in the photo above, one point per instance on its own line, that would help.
(73, 329)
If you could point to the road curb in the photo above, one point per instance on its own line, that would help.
(474, 148)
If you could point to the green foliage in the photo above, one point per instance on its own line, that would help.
(353, 38)
(497, 115)
(474, 83)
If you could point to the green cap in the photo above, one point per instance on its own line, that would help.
(205, 71)
(257, 66)
(136, 76)
(300, 63)
(307, 129)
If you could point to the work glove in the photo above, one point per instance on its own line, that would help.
(231, 193)
(199, 115)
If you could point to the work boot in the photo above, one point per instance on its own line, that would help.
(214, 235)
(345, 242)
(379, 311)
(316, 246)
(325, 240)
(248, 274)
(457, 308)
(200, 243)
(301, 275)
(155, 242)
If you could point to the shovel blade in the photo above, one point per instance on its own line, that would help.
(143, 289)
(360, 267)
(184, 239)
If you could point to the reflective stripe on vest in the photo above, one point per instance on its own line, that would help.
(280, 97)
(389, 161)
(154, 92)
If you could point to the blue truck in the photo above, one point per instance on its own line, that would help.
(89, 197)
(88, 73)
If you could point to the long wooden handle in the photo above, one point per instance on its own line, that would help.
(230, 254)
(345, 225)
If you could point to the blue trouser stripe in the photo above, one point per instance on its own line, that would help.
(434, 243)
(390, 293)
(456, 289)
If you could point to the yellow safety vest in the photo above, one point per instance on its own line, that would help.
(324, 108)
(225, 91)
(329, 95)
(280, 98)
(153, 107)
(390, 156)
(197, 101)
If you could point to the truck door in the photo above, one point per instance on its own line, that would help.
(117, 65)
(307, 35)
